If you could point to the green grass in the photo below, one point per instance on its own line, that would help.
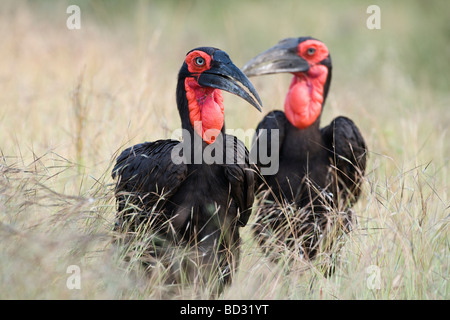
(71, 100)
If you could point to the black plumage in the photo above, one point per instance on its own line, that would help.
(320, 169)
(197, 206)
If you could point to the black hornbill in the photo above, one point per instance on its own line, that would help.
(190, 203)
(320, 169)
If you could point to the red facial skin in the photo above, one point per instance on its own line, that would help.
(206, 110)
(304, 99)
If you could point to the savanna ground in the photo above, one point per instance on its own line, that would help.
(70, 100)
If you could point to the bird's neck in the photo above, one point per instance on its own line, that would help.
(206, 110)
(300, 142)
(306, 95)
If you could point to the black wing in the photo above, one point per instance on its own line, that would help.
(241, 176)
(146, 174)
(348, 153)
(262, 141)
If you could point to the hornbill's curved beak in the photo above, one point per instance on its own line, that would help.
(283, 57)
(224, 75)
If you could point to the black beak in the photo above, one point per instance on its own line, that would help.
(282, 57)
(224, 75)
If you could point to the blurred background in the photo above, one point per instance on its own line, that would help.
(70, 100)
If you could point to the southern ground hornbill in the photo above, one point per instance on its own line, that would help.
(320, 169)
(176, 200)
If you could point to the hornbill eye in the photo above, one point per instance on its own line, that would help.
(199, 61)
(311, 51)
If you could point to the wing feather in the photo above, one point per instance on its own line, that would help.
(241, 176)
(145, 173)
(348, 152)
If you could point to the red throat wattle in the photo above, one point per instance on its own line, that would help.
(304, 99)
(206, 110)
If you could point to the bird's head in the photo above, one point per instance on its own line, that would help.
(205, 72)
(291, 55)
(309, 60)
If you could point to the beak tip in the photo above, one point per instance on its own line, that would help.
(260, 105)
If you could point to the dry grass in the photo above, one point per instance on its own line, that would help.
(71, 100)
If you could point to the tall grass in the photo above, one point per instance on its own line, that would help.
(70, 100)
